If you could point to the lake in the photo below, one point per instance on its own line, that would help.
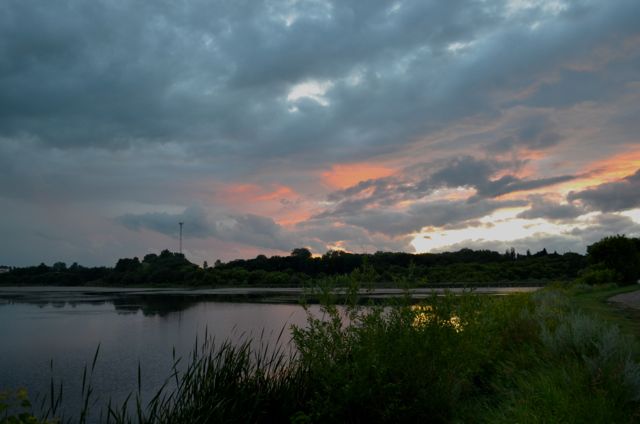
(66, 325)
(131, 326)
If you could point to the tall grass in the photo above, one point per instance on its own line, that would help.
(470, 358)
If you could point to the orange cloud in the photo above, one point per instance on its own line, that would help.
(245, 193)
(288, 218)
(346, 175)
(279, 202)
(615, 167)
(239, 191)
(282, 192)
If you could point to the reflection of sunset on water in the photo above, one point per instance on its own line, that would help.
(424, 315)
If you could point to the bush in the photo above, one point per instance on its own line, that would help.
(617, 253)
(597, 276)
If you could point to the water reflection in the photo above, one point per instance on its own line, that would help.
(131, 329)
(161, 305)
(425, 315)
(123, 303)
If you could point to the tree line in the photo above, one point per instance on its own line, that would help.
(612, 259)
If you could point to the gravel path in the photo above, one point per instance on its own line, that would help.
(631, 300)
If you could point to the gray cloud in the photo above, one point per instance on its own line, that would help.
(609, 197)
(197, 222)
(215, 75)
(200, 71)
(534, 133)
(548, 209)
(249, 229)
(427, 214)
(462, 171)
(604, 225)
(260, 231)
(322, 234)
(511, 184)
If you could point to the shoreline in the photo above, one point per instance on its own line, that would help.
(290, 295)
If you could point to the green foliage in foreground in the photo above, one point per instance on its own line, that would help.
(15, 408)
(530, 358)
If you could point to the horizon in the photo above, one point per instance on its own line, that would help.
(526, 253)
(407, 127)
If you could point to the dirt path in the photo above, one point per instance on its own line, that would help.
(629, 300)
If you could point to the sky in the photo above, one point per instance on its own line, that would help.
(417, 126)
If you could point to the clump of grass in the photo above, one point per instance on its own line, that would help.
(223, 383)
(583, 370)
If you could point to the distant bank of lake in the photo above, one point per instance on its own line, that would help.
(66, 324)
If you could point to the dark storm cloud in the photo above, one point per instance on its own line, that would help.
(610, 197)
(217, 74)
(102, 73)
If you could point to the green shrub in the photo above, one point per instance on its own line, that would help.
(597, 275)
(15, 408)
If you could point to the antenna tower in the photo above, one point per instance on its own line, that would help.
(181, 224)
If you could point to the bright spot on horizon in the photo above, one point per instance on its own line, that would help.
(501, 226)
(633, 214)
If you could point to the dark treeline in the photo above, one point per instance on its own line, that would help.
(615, 258)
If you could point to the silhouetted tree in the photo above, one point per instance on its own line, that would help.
(127, 265)
(59, 267)
(301, 252)
(617, 253)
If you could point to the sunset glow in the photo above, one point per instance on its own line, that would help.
(324, 125)
(347, 175)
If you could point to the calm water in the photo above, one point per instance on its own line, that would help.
(67, 326)
(132, 326)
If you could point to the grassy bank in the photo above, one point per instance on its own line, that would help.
(594, 301)
(556, 355)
